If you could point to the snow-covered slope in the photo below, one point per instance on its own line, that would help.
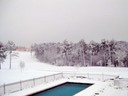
(30, 61)
(34, 68)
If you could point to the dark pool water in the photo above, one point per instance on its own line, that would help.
(66, 89)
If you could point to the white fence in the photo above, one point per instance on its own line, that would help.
(21, 85)
(17, 86)
(99, 77)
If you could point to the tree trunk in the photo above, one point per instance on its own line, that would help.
(84, 58)
(90, 59)
(66, 59)
(10, 60)
(104, 60)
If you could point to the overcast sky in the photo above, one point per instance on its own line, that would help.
(38, 21)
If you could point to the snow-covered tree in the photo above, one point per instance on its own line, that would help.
(106, 53)
(93, 50)
(66, 51)
(2, 53)
(22, 65)
(11, 46)
(83, 49)
(125, 61)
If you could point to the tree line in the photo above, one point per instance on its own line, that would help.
(106, 53)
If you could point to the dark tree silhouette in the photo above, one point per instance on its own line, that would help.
(105, 49)
(11, 46)
(2, 53)
(125, 61)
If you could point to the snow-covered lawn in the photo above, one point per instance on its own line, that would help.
(34, 68)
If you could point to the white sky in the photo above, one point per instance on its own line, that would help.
(35, 21)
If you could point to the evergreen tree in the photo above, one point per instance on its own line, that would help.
(10, 46)
(125, 61)
(2, 53)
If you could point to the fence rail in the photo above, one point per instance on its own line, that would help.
(21, 85)
(99, 77)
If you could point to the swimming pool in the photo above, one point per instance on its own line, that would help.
(65, 89)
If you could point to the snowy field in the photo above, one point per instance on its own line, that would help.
(34, 68)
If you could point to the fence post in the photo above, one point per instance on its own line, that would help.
(62, 75)
(102, 77)
(20, 85)
(54, 77)
(4, 89)
(33, 82)
(88, 75)
(45, 79)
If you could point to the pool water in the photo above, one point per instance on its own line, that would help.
(66, 89)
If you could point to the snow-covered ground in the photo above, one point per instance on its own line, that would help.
(34, 68)
(98, 89)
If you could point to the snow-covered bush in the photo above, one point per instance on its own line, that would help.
(22, 65)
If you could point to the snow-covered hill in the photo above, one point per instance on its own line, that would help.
(34, 68)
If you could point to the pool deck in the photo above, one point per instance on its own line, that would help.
(90, 91)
